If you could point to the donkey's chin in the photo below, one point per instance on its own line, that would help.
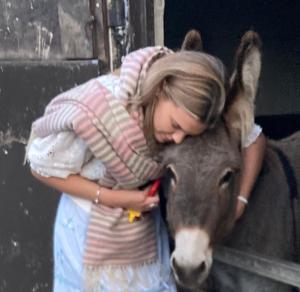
(192, 258)
(192, 282)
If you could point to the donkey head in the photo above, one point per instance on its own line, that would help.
(201, 181)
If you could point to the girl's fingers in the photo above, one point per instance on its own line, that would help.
(150, 207)
(150, 203)
(153, 200)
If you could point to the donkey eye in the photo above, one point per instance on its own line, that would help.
(226, 178)
(171, 176)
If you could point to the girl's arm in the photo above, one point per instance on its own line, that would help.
(253, 156)
(79, 186)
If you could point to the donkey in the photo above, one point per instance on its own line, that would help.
(201, 185)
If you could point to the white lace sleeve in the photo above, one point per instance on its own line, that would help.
(256, 130)
(63, 154)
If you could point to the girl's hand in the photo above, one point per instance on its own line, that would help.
(240, 208)
(139, 200)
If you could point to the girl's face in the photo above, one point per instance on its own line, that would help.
(172, 123)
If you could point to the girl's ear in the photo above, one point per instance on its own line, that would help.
(192, 41)
(160, 92)
(239, 108)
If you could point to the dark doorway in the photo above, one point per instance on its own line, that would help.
(222, 23)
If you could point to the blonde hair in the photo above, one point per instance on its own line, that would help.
(192, 80)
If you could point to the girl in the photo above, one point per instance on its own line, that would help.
(97, 144)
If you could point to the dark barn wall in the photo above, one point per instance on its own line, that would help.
(27, 208)
(36, 39)
(222, 23)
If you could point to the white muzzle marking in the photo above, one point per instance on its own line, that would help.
(192, 249)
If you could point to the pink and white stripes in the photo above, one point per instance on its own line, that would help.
(95, 115)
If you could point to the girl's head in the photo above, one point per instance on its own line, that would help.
(183, 94)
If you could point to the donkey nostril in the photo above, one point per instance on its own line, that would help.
(181, 271)
(201, 268)
(174, 264)
(176, 268)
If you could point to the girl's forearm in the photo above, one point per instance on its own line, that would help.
(81, 187)
(253, 157)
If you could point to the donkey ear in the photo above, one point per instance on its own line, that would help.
(192, 41)
(239, 108)
(248, 66)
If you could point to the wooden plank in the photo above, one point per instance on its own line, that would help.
(159, 8)
(142, 23)
(275, 269)
(101, 44)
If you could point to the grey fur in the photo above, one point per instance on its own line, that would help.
(204, 198)
(266, 226)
